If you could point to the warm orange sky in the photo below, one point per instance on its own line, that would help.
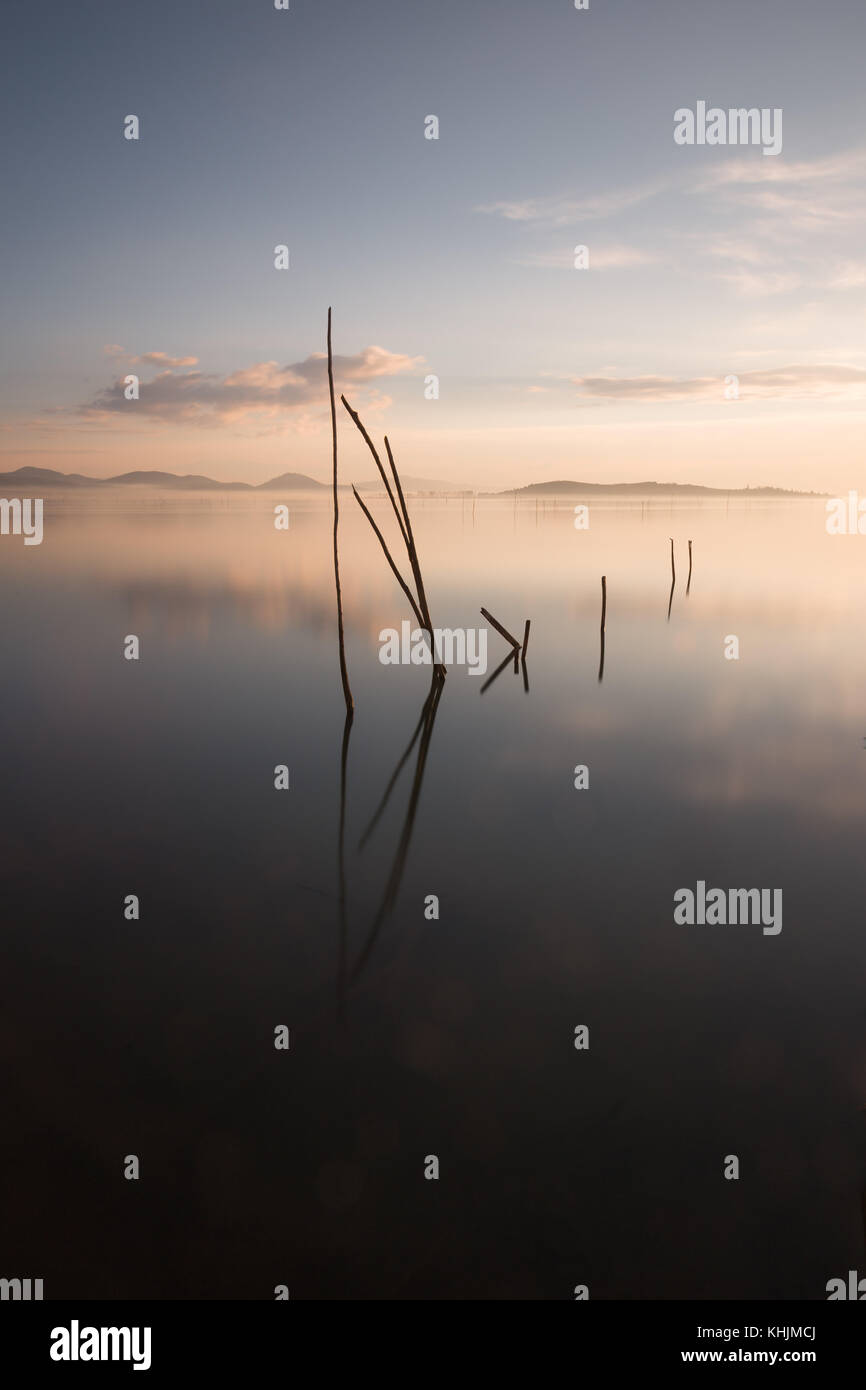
(452, 257)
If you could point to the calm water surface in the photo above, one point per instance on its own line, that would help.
(412, 1037)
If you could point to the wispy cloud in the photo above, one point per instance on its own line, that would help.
(611, 257)
(849, 275)
(751, 283)
(562, 211)
(147, 359)
(842, 166)
(797, 382)
(787, 226)
(827, 194)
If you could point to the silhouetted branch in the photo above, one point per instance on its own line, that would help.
(371, 446)
(410, 538)
(673, 579)
(601, 631)
(344, 674)
(400, 580)
(500, 629)
(421, 608)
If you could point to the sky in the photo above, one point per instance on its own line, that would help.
(451, 257)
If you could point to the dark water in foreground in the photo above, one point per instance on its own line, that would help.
(451, 1037)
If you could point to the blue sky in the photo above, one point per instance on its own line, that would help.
(454, 256)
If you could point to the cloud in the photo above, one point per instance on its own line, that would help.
(147, 359)
(559, 211)
(750, 283)
(821, 195)
(755, 268)
(850, 275)
(826, 381)
(162, 359)
(843, 166)
(788, 225)
(604, 258)
(264, 389)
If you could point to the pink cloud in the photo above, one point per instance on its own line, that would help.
(265, 390)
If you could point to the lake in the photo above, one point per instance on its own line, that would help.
(414, 1035)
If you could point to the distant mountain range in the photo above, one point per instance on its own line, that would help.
(178, 482)
(567, 488)
(196, 482)
(299, 482)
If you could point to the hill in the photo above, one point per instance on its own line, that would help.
(29, 478)
(568, 488)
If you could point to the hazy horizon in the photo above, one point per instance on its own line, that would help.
(411, 483)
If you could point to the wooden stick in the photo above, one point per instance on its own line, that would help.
(400, 580)
(525, 641)
(410, 538)
(402, 515)
(689, 582)
(371, 446)
(499, 628)
(673, 579)
(601, 632)
(412, 550)
(344, 674)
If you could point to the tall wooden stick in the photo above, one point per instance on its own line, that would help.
(371, 446)
(601, 632)
(410, 539)
(402, 514)
(344, 674)
(673, 580)
(412, 549)
(689, 582)
(525, 641)
(400, 580)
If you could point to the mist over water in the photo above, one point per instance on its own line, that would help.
(451, 1037)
